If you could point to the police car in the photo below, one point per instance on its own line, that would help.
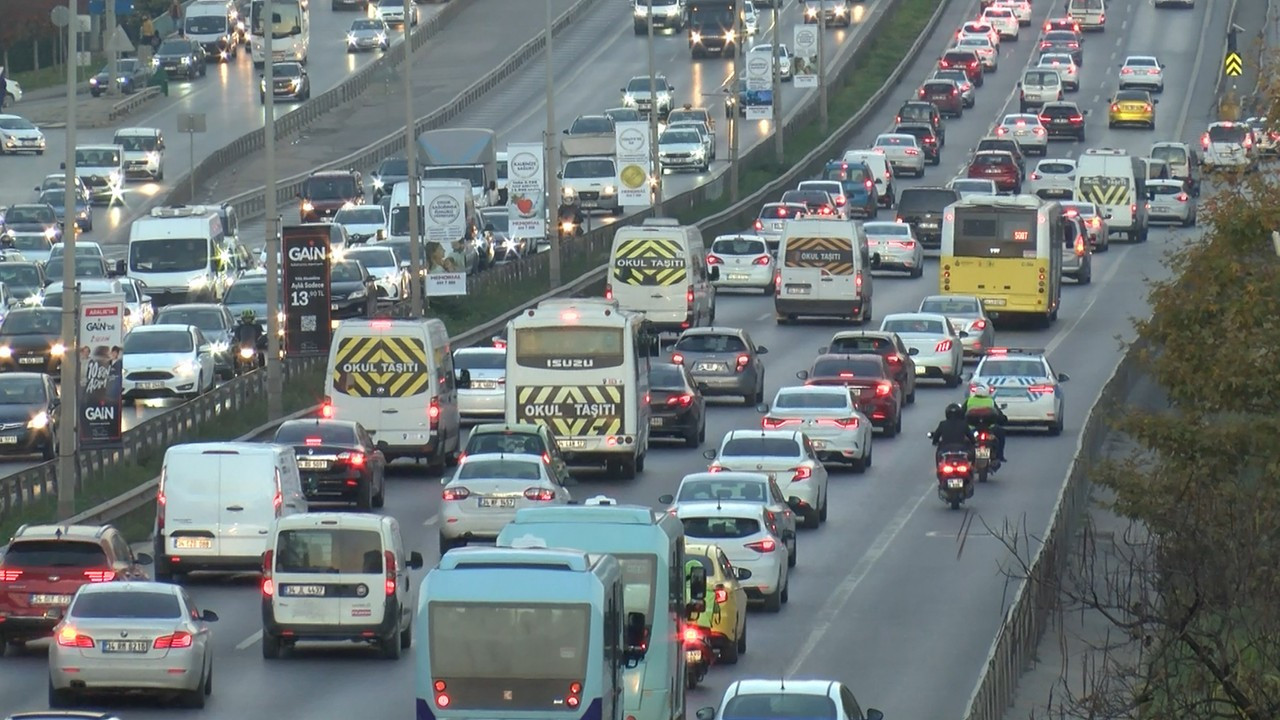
(1024, 386)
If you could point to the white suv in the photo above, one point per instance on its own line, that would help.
(1227, 145)
(743, 532)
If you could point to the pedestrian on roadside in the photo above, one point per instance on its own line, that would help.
(148, 31)
(4, 86)
(494, 197)
(175, 14)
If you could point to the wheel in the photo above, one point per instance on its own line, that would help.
(729, 652)
(692, 439)
(272, 647)
(822, 509)
(49, 451)
(1056, 428)
(195, 699)
(793, 553)
(1085, 277)
(390, 647)
(446, 544)
(381, 498)
(60, 698)
(639, 463)
(406, 637)
(1189, 222)
(364, 496)
(982, 475)
(911, 396)
(772, 603)
(812, 519)
(786, 590)
(690, 679)
(952, 381)
(955, 504)
(917, 272)
(742, 640)
(896, 427)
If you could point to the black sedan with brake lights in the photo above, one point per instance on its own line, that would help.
(676, 406)
(337, 460)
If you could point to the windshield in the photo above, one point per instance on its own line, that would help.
(126, 605)
(1227, 133)
(594, 124)
(32, 322)
(247, 293)
(860, 344)
(330, 188)
(984, 232)
(373, 257)
(720, 528)
(360, 216)
(887, 228)
(16, 123)
(169, 255)
(206, 24)
(501, 221)
(347, 271)
(680, 136)
(992, 159)
(30, 215)
(309, 432)
(896, 141)
(711, 344)
(1019, 368)
(162, 341)
(286, 19)
(641, 84)
(57, 199)
(738, 246)
(839, 366)
(780, 706)
(21, 391)
(399, 223)
(54, 554)
(136, 143)
(1141, 62)
(1058, 168)
(286, 70)
(1170, 154)
(172, 47)
(473, 175)
(481, 360)
(209, 321)
(509, 443)
(367, 25)
(14, 275)
(1141, 96)
(589, 169)
(393, 167)
(328, 551)
(811, 401)
(666, 376)
(506, 469)
(483, 650)
(1155, 189)
(914, 325)
(86, 267)
(760, 447)
(698, 116)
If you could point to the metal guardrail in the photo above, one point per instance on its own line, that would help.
(1037, 599)
(254, 202)
(133, 102)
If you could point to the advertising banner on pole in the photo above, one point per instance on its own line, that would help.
(759, 84)
(101, 342)
(440, 284)
(633, 163)
(526, 190)
(307, 311)
(804, 64)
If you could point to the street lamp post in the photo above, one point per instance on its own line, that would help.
(417, 284)
(823, 120)
(778, 148)
(733, 128)
(653, 121)
(68, 429)
(550, 161)
(275, 378)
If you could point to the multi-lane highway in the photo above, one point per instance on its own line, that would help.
(884, 598)
(228, 96)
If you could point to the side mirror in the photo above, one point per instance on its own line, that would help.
(205, 349)
(709, 453)
(160, 146)
(762, 408)
(1019, 83)
(404, 264)
(824, 350)
(929, 434)
(1155, 101)
(742, 573)
(698, 582)
(1063, 377)
(143, 559)
(874, 714)
(128, 312)
(11, 301)
(1107, 216)
(762, 350)
(622, 90)
(714, 273)
(708, 713)
(666, 499)
(913, 351)
(802, 374)
(415, 560)
(61, 166)
(209, 616)
(875, 261)
(560, 176)
(635, 636)
(146, 299)
(462, 378)
(1086, 111)
(566, 131)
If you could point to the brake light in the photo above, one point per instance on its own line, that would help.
(1001, 130)
(1133, 208)
(713, 260)
(777, 283)
(1248, 141)
(268, 585)
(894, 359)
(1147, 108)
(984, 436)
(959, 468)
(1036, 176)
(608, 295)
(766, 545)
(840, 200)
(1181, 197)
(1079, 247)
(912, 152)
(540, 494)
(1126, 71)
(1040, 389)
(973, 64)
(955, 92)
(743, 360)
(762, 260)
(688, 295)
(10, 575)
(433, 413)
(1038, 130)
(929, 140)
(759, 225)
(824, 210)
(390, 585)
(1204, 141)
(848, 423)
(68, 637)
(277, 501)
(775, 423)
(354, 459)
(442, 698)
(455, 493)
(883, 389)
(857, 281)
(1115, 107)
(1076, 119)
(722, 595)
(867, 184)
(942, 346)
(845, 374)
(904, 244)
(176, 641)
(922, 92)
(683, 400)
(677, 358)
(803, 472)
(98, 576)
(715, 467)
(326, 409)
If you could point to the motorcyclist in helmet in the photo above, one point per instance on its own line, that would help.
(248, 331)
(981, 412)
(570, 217)
(953, 433)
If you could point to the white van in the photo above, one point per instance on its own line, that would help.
(1037, 87)
(659, 268)
(143, 151)
(212, 23)
(335, 577)
(822, 271)
(1091, 14)
(880, 170)
(396, 378)
(1116, 182)
(176, 251)
(101, 169)
(216, 504)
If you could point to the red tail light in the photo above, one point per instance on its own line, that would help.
(99, 576)
(912, 152)
(894, 359)
(1115, 107)
(846, 423)
(1035, 176)
(1038, 130)
(722, 595)
(984, 436)
(176, 641)
(1040, 389)
(1182, 197)
(540, 494)
(1001, 130)
(921, 92)
(929, 140)
(1126, 71)
(1076, 119)
(1147, 108)
(803, 472)
(775, 423)
(1133, 208)
(692, 634)
(268, 585)
(456, 493)
(942, 346)
(574, 698)
(883, 389)
(957, 469)
(326, 409)
(763, 546)
(973, 64)
(713, 260)
(1204, 141)
(777, 283)
(433, 413)
(277, 502)
(390, 585)
(608, 295)
(688, 296)
(1079, 247)
(867, 184)
(683, 400)
(758, 225)
(354, 459)
(954, 92)
(68, 637)
(978, 324)
(840, 200)
(442, 698)
(677, 358)
(10, 575)
(762, 260)
(824, 210)
(1248, 141)
(743, 361)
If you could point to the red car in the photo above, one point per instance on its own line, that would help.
(883, 343)
(879, 395)
(999, 166)
(326, 192)
(966, 60)
(44, 567)
(945, 94)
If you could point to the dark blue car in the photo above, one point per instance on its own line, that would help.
(859, 186)
(745, 99)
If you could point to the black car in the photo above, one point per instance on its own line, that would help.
(676, 406)
(31, 340)
(31, 220)
(922, 208)
(337, 460)
(1063, 41)
(1062, 119)
(131, 76)
(214, 321)
(289, 81)
(496, 230)
(352, 292)
(25, 280)
(927, 137)
(389, 172)
(180, 57)
(922, 111)
(28, 414)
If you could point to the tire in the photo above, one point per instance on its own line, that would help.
(1085, 278)
(693, 438)
(955, 504)
(390, 647)
(60, 698)
(742, 640)
(195, 699)
(380, 499)
(364, 497)
(772, 603)
(406, 637)
(49, 451)
(812, 519)
(952, 381)
(1056, 428)
(729, 652)
(982, 475)
(911, 397)
(272, 647)
(822, 509)
(793, 554)
(446, 544)
(786, 590)
(896, 427)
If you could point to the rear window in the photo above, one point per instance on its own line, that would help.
(920, 131)
(480, 360)
(315, 433)
(950, 306)
(939, 88)
(738, 246)
(505, 442)
(994, 160)
(1020, 368)
(1227, 133)
(918, 199)
(500, 470)
(832, 367)
(776, 210)
(1008, 146)
(330, 188)
(54, 553)
(861, 344)
(327, 551)
(734, 490)
(919, 325)
(811, 401)
(726, 528)
(1170, 154)
(140, 605)
(1041, 77)
(1154, 189)
(1058, 36)
(711, 344)
(780, 706)
(666, 377)
(1058, 168)
(761, 447)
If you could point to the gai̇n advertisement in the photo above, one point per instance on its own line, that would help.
(306, 291)
(526, 191)
(101, 371)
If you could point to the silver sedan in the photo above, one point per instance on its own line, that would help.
(903, 153)
(487, 490)
(723, 361)
(130, 637)
(966, 315)
(1168, 201)
(934, 345)
(896, 244)
(1026, 130)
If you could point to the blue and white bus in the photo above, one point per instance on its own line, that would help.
(521, 633)
(650, 548)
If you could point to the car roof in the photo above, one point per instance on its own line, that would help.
(773, 686)
(714, 330)
(480, 351)
(320, 422)
(714, 508)
(510, 428)
(732, 475)
(989, 153)
(333, 174)
(939, 317)
(813, 389)
(49, 532)
(1165, 183)
(503, 457)
(123, 586)
(1050, 161)
(778, 434)
(162, 327)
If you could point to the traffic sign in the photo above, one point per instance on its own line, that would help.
(99, 7)
(1233, 66)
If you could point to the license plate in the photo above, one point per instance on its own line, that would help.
(150, 385)
(497, 502)
(126, 646)
(929, 225)
(655, 422)
(1061, 121)
(193, 543)
(818, 444)
(693, 656)
(484, 385)
(739, 277)
(573, 444)
(305, 590)
(50, 599)
(797, 289)
(984, 453)
(955, 482)
(1162, 208)
(993, 302)
(30, 360)
(333, 306)
(313, 464)
(709, 367)
(8, 439)
(919, 370)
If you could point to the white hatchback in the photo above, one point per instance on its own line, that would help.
(1066, 67)
(742, 532)
(166, 361)
(483, 390)
(829, 417)
(1052, 178)
(743, 261)
(787, 456)
(988, 52)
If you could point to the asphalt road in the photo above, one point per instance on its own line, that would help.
(886, 598)
(228, 96)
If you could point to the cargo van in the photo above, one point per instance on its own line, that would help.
(1037, 87)
(212, 23)
(822, 271)
(337, 577)
(396, 378)
(1091, 14)
(1116, 182)
(659, 268)
(216, 504)
(178, 252)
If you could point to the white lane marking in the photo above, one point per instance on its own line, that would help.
(432, 520)
(249, 641)
(1124, 25)
(834, 606)
(950, 535)
(764, 317)
(1195, 77)
(1114, 54)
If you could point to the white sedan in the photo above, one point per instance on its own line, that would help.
(829, 417)
(1168, 201)
(988, 53)
(167, 361)
(742, 261)
(895, 243)
(137, 304)
(903, 153)
(18, 134)
(1024, 385)
(391, 280)
(1026, 130)
(788, 456)
(1142, 71)
(129, 637)
(1021, 10)
(487, 490)
(742, 530)
(934, 345)
(1066, 67)
(1003, 20)
(973, 186)
(1052, 178)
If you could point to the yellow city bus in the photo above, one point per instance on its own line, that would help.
(1007, 251)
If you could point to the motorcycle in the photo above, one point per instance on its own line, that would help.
(985, 462)
(698, 654)
(955, 476)
(250, 356)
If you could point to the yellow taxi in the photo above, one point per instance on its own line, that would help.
(726, 613)
(1132, 107)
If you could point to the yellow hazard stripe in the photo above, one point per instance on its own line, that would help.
(380, 350)
(641, 249)
(593, 420)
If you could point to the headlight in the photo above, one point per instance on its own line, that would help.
(609, 189)
(185, 368)
(377, 182)
(197, 283)
(810, 11)
(114, 177)
(219, 347)
(186, 61)
(568, 191)
(640, 10)
(509, 244)
(695, 36)
(348, 205)
(51, 233)
(673, 10)
(699, 152)
(840, 11)
(380, 39)
(664, 97)
(357, 295)
(730, 35)
(307, 206)
(296, 83)
(566, 226)
(155, 62)
(153, 157)
(39, 422)
(247, 352)
(93, 81)
(57, 349)
(629, 99)
(351, 38)
(6, 351)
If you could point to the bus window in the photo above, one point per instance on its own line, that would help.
(569, 347)
(639, 575)
(982, 233)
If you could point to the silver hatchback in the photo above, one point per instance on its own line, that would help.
(723, 361)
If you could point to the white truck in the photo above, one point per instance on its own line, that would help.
(469, 154)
